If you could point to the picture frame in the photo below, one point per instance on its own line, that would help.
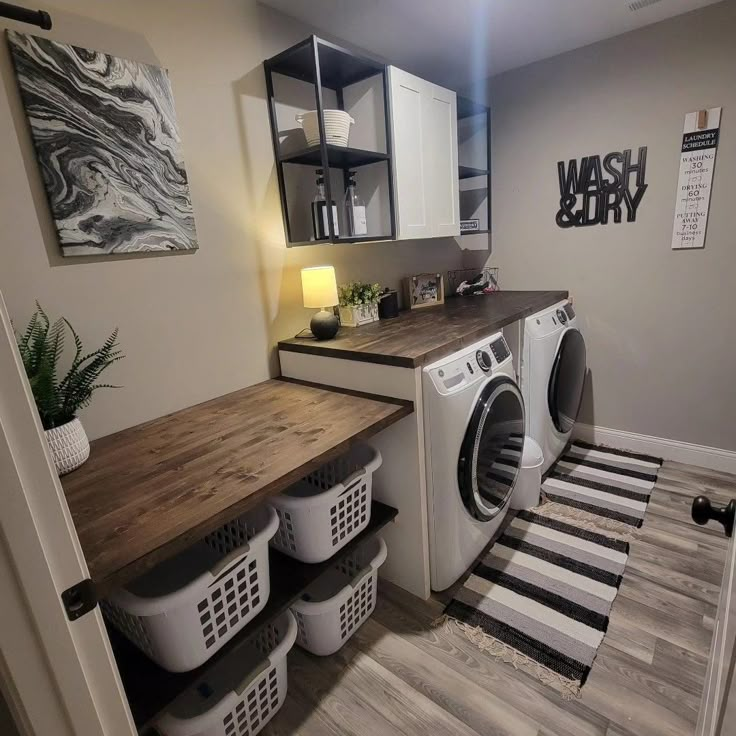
(424, 290)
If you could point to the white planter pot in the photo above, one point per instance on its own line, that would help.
(69, 446)
(356, 316)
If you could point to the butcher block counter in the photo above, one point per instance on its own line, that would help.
(150, 491)
(421, 336)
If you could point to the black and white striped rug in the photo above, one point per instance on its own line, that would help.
(541, 597)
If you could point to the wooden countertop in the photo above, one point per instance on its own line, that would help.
(150, 491)
(421, 336)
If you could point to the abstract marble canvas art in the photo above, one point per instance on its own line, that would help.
(108, 145)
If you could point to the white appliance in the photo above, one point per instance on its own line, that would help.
(474, 439)
(552, 377)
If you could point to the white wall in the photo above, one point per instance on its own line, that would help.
(192, 325)
(659, 323)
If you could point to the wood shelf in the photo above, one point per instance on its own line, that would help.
(150, 491)
(468, 172)
(150, 688)
(339, 157)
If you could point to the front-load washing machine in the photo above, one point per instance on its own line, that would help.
(553, 367)
(474, 438)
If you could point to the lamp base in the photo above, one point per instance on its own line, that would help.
(324, 325)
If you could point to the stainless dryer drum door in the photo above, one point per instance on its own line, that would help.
(490, 455)
(565, 392)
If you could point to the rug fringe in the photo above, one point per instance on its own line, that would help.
(568, 689)
(586, 520)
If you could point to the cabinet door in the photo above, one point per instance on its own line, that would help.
(408, 109)
(442, 198)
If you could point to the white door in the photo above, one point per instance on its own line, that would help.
(408, 94)
(59, 675)
(718, 707)
(442, 197)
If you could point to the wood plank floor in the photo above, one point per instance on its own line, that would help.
(401, 675)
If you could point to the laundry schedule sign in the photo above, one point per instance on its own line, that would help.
(697, 161)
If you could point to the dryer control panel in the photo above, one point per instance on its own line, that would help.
(554, 319)
(470, 365)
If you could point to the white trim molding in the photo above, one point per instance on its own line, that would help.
(712, 458)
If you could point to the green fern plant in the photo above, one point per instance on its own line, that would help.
(41, 346)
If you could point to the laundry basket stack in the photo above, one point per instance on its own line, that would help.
(187, 608)
(319, 516)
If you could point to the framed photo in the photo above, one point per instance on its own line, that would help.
(424, 290)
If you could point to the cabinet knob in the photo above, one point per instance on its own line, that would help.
(703, 511)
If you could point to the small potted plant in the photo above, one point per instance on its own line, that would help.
(41, 347)
(358, 303)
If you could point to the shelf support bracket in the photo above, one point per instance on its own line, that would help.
(79, 599)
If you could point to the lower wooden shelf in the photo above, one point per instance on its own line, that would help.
(149, 688)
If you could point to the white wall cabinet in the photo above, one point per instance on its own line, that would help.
(425, 163)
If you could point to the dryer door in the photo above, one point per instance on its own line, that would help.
(490, 455)
(565, 392)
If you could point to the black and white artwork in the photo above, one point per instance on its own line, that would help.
(108, 145)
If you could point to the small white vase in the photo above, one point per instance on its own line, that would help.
(69, 446)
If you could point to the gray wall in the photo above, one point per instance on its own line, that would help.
(194, 325)
(659, 323)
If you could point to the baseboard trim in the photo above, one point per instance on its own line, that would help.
(712, 458)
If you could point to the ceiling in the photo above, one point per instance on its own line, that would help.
(456, 42)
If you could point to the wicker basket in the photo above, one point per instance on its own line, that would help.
(337, 127)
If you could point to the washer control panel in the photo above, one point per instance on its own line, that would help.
(469, 366)
(569, 311)
(500, 350)
(484, 360)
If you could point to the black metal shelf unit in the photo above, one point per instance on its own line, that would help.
(473, 116)
(326, 66)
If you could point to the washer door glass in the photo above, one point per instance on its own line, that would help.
(490, 455)
(567, 380)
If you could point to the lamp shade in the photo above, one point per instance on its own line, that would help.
(319, 287)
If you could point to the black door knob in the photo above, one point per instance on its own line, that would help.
(703, 511)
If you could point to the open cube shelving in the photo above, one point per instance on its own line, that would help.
(318, 75)
(474, 158)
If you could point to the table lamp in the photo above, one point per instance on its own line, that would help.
(319, 289)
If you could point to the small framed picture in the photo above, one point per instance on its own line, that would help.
(424, 290)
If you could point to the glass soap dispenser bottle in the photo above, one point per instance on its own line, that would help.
(320, 225)
(355, 208)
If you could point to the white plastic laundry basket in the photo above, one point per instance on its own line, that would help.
(324, 511)
(185, 609)
(240, 694)
(337, 127)
(334, 607)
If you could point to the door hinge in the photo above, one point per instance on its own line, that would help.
(79, 599)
